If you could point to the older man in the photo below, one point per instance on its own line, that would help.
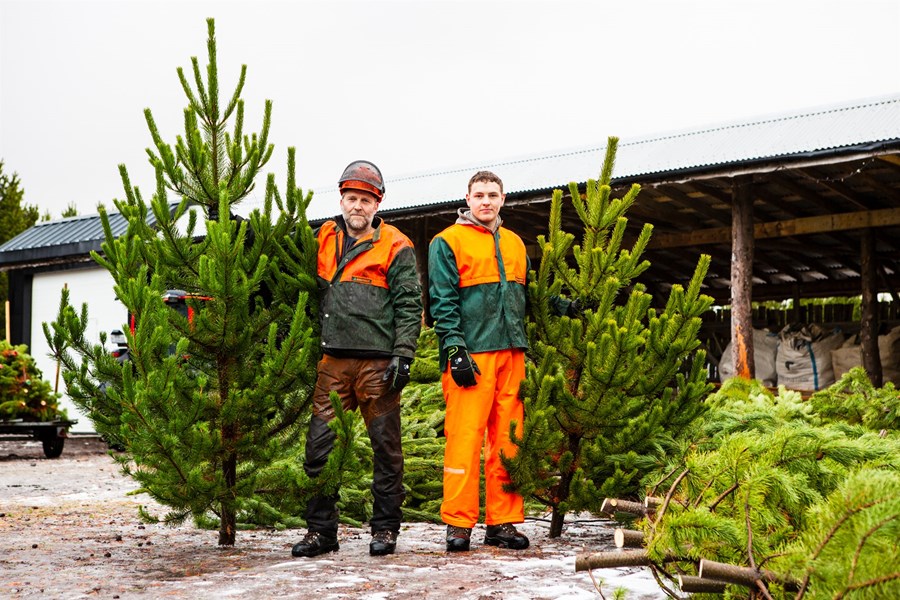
(371, 313)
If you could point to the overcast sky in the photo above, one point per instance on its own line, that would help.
(414, 85)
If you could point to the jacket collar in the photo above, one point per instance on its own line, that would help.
(464, 217)
(377, 222)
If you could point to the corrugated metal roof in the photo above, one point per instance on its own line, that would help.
(63, 237)
(803, 132)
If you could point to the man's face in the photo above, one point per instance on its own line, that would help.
(358, 208)
(484, 200)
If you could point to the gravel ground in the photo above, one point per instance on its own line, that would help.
(69, 529)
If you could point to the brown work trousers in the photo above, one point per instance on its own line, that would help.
(358, 382)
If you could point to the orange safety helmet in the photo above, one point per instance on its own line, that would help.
(362, 175)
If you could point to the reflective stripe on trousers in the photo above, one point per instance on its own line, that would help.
(480, 416)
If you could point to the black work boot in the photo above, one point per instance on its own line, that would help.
(505, 536)
(314, 544)
(383, 542)
(458, 538)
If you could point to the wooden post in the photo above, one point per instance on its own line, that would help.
(742, 277)
(420, 243)
(7, 327)
(868, 333)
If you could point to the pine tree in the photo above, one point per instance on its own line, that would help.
(611, 383)
(206, 406)
(15, 217)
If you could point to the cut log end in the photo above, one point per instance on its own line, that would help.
(628, 538)
(614, 505)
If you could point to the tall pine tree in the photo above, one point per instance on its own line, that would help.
(206, 403)
(611, 381)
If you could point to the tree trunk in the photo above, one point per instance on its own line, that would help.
(228, 519)
(228, 516)
(565, 484)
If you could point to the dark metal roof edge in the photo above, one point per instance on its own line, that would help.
(13, 258)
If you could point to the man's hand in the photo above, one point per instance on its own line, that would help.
(462, 367)
(397, 372)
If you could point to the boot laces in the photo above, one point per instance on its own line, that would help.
(507, 528)
(384, 536)
(458, 532)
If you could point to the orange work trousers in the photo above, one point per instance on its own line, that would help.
(486, 408)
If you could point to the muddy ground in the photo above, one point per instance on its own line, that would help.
(69, 529)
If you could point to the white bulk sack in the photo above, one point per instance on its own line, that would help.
(803, 360)
(765, 346)
(850, 355)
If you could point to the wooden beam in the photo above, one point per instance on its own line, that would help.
(894, 159)
(804, 226)
(839, 188)
(695, 205)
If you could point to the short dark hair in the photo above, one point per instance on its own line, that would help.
(487, 177)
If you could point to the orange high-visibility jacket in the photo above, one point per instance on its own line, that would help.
(477, 288)
(371, 300)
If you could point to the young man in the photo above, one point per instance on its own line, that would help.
(371, 313)
(477, 272)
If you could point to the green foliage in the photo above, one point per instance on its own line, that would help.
(766, 480)
(204, 406)
(284, 487)
(70, 211)
(610, 386)
(849, 546)
(15, 217)
(23, 392)
(426, 368)
(855, 400)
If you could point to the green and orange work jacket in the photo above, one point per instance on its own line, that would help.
(477, 280)
(371, 300)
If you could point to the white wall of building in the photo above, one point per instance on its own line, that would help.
(93, 286)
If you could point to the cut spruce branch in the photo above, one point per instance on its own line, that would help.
(608, 560)
(613, 505)
(745, 576)
(628, 538)
(652, 502)
(697, 585)
(621, 558)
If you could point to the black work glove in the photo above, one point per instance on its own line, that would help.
(397, 372)
(576, 309)
(462, 367)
